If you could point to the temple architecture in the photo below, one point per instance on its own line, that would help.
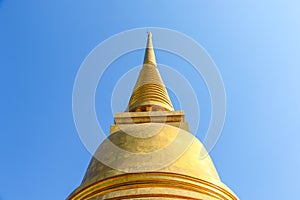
(150, 153)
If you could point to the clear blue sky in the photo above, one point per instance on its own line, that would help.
(256, 46)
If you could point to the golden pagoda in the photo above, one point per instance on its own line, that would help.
(150, 153)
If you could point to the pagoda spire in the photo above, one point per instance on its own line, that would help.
(149, 53)
(149, 93)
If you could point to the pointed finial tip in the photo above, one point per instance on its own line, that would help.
(149, 53)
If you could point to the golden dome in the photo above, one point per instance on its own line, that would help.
(151, 159)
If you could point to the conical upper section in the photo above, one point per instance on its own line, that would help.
(149, 93)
